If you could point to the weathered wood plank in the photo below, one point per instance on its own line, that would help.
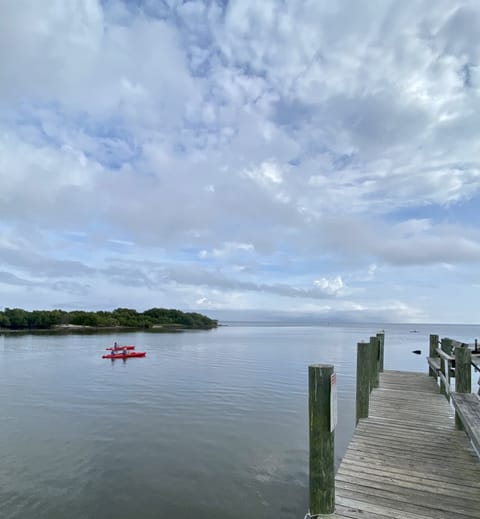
(418, 499)
(379, 418)
(349, 509)
(437, 482)
(382, 437)
(426, 450)
(412, 487)
(406, 463)
(407, 460)
(396, 509)
(356, 513)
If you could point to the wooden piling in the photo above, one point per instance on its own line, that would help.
(363, 380)
(322, 440)
(381, 344)
(434, 341)
(463, 375)
(374, 355)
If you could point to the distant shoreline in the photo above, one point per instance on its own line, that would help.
(75, 328)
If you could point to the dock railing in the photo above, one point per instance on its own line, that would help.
(448, 360)
(453, 360)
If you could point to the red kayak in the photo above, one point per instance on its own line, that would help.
(127, 355)
(116, 348)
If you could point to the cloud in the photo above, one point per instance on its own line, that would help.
(7, 278)
(254, 153)
(40, 265)
(330, 286)
(319, 289)
(228, 249)
(412, 242)
(82, 51)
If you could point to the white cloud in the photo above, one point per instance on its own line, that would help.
(228, 249)
(333, 286)
(267, 174)
(257, 144)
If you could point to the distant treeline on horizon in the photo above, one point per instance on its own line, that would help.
(19, 319)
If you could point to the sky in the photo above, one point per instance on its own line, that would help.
(272, 160)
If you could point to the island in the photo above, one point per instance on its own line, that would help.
(154, 318)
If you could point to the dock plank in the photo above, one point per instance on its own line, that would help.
(407, 460)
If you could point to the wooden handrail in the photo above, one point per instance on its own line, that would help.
(444, 355)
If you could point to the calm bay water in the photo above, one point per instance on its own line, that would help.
(210, 424)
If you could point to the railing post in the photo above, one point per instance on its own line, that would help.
(463, 375)
(363, 380)
(433, 353)
(374, 354)
(443, 390)
(381, 344)
(446, 346)
(322, 421)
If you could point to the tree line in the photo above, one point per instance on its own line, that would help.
(19, 319)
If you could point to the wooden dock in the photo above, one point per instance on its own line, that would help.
(407, 460)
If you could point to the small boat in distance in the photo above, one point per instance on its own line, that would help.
(125, 351)
(124, 354)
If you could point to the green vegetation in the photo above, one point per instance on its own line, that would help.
(18, 319)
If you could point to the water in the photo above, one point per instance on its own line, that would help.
(211, 424)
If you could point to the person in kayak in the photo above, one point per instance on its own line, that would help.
(115, 345)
